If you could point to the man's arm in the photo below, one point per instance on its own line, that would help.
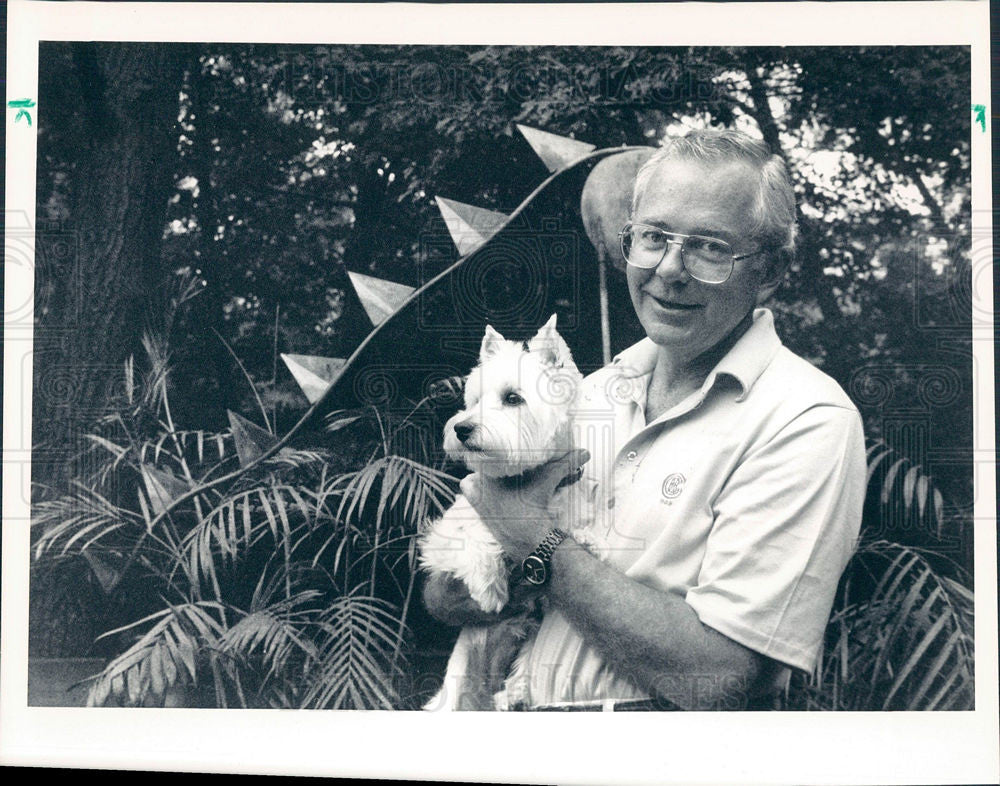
(652, 636)
(630, 623)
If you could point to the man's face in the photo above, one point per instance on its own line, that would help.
(685, 316)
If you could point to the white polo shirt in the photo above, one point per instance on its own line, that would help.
(744, 500)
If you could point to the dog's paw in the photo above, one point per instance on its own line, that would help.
(490, 592)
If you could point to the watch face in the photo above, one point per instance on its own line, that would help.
(535, 569)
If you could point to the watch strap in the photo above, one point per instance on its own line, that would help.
(549, 543)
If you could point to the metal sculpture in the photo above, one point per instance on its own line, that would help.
(512, 271)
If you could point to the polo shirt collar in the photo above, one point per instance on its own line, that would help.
(750, 355)
(745, 361)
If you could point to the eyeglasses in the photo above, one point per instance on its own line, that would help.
(706, 259)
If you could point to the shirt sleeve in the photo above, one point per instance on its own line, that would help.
(785, 525)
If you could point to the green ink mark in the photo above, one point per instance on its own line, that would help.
(980, 110)
(22, 105)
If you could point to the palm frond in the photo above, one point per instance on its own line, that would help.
(116, 450)
(163, 656)
(906, 645)
(899, 491)
(79, 520)
(155, 382)
(296, 459)
(355, 656)
(193, 447)
(242, 519)
(415, 490)
(342, 418)
(275, 636)
(305, 638)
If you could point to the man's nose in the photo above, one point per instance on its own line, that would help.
(672, 265)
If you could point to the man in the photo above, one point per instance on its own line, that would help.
(736, 474)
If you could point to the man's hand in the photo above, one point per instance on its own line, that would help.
(517, 512)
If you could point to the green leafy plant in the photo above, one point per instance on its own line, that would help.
(287, 585)
(907, 644)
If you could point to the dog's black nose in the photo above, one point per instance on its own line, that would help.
(463, 431)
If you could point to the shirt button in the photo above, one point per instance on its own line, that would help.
(631, 455)
(611, 503)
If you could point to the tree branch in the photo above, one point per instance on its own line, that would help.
(812, 267)
(915, 175)
(932, 204)
(762, 111)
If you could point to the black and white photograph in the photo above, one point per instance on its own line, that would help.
(480, 373)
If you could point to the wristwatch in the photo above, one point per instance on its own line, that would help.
(535, 567)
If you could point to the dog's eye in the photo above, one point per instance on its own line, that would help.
(512, 399)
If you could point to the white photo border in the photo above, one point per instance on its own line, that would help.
(902, 747)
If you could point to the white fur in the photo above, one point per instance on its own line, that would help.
(506, 440)
(460, 544)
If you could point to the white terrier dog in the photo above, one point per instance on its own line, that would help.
(517, 417)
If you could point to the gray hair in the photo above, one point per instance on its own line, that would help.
(774, 209)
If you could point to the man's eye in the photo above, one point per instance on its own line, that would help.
(707, 245)
(651, 238)
(512, 399)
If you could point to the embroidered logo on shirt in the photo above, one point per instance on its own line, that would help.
(673, 485)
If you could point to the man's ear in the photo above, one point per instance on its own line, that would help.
(492, 342)
(550, 344)
(765, 290)
(773, 275)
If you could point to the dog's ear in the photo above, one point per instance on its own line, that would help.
(550, 344)
(492, 342)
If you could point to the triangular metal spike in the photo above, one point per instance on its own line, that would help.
(106, 575)
(250, 439)
(556, 152)
(161, 487)
(313, 373)
(468, 225)
(380, 298)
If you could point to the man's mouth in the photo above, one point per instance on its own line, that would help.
(673, 304)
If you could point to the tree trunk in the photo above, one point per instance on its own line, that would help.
(102, 302)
